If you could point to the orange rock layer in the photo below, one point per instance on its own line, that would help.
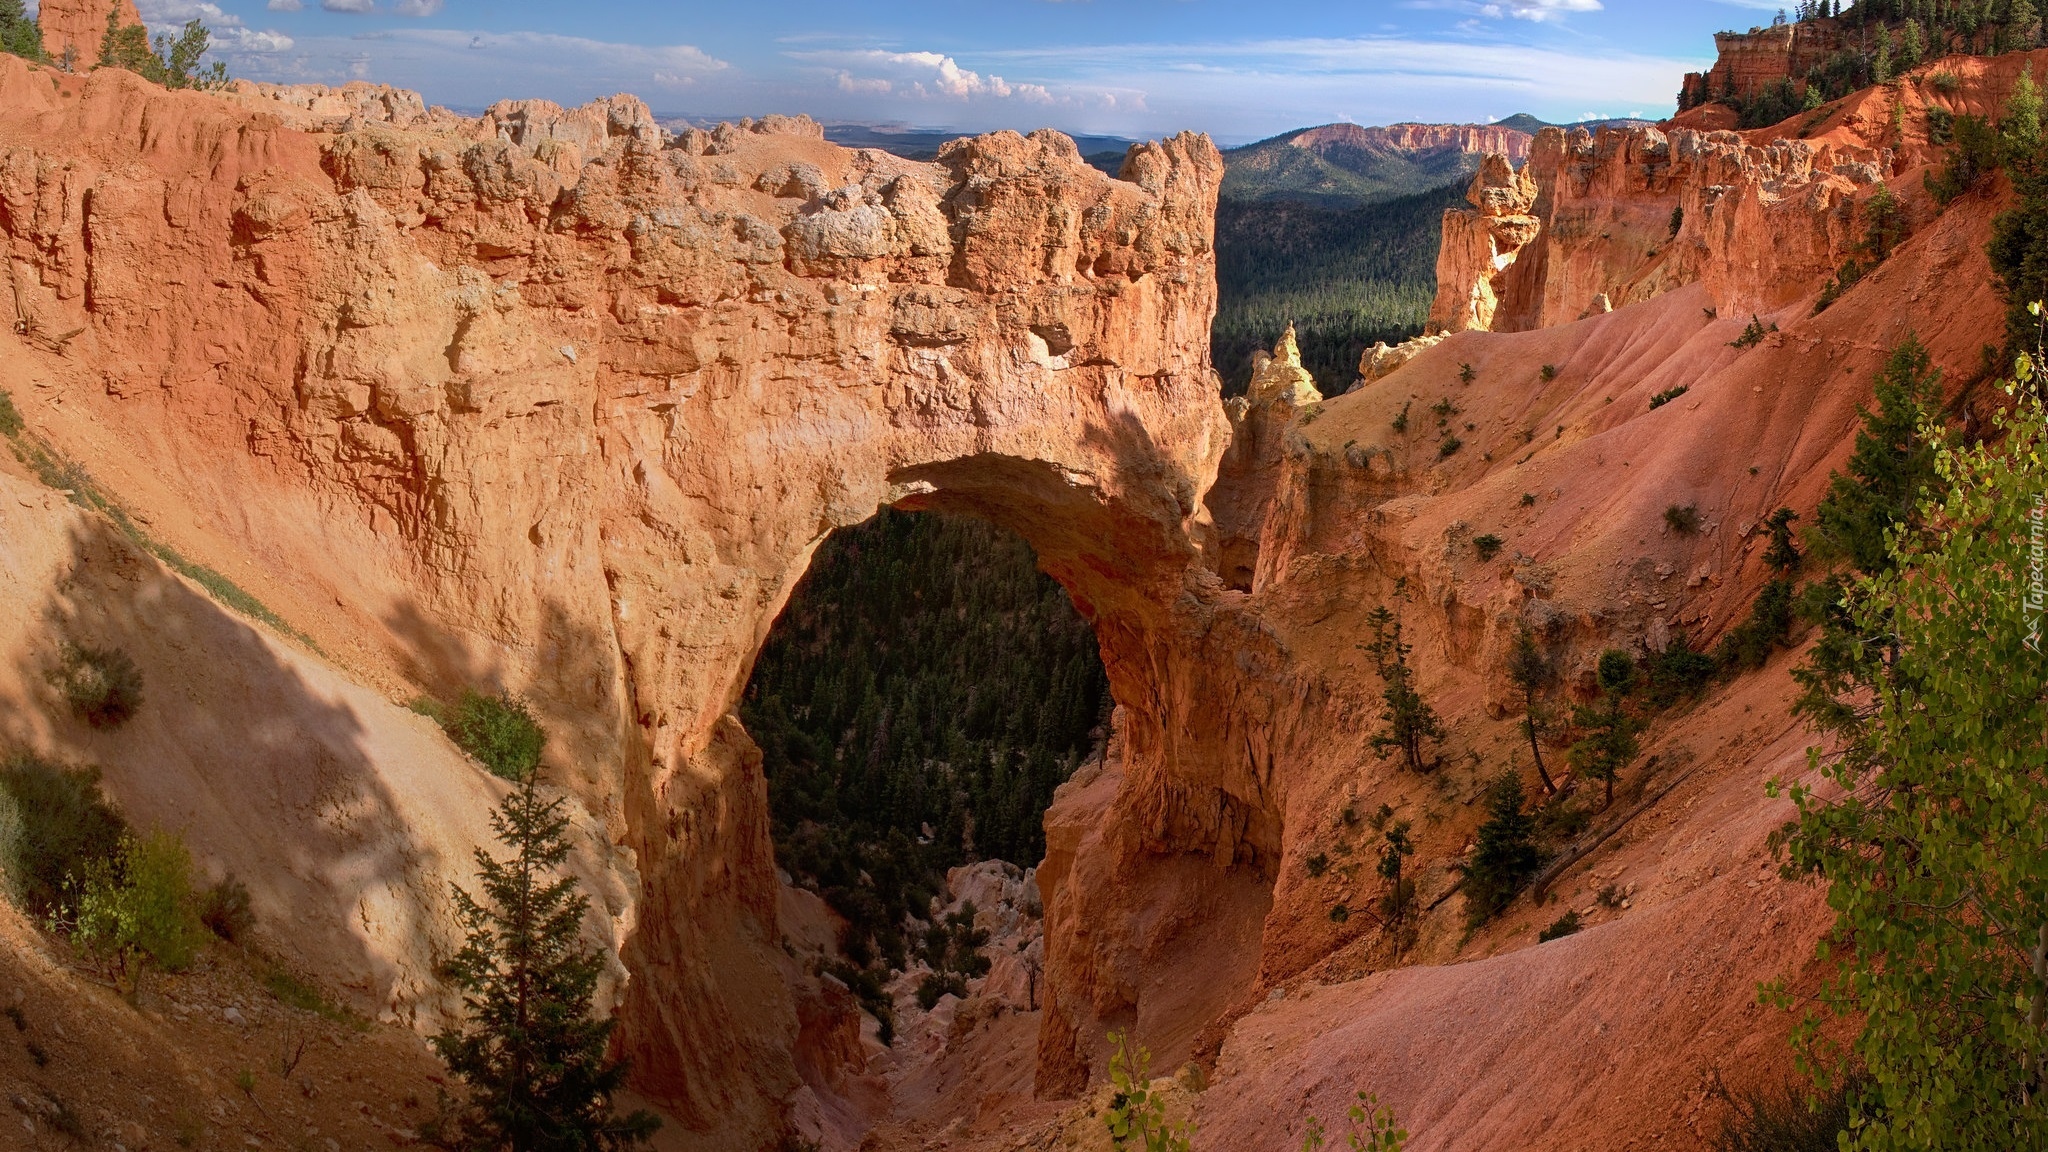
(1746, 63)
(1598, 221)
(73, 29)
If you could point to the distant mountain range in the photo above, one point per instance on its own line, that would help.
(1333, 229)
(1349, 165)
(1332, 165)
(1103, 152)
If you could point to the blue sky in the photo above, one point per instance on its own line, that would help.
(1238, 70)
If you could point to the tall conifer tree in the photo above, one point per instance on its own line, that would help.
(532, 1053)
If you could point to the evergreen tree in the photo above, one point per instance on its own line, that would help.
(20, 35)
(952, 949)
(531, 1053)
(172, 61)
(180, 55)
(1884, 223)
(1879, 495)
(1970, 161)
(1610, 740)
(2019, 237)
(2025, 24)
(1783, 554)
(1505, 857)
(1531, 672)
(1929, 835)
(1408, 719)
(125, 46)
(1892, 463)
(1912, 45)
(1400, 890)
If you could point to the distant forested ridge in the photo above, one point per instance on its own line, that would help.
(1339, 238)
(1104, 153)
(1344, 277)
(1337, 176)
(916, 704)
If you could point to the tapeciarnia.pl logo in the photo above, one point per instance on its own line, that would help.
(2037, 562)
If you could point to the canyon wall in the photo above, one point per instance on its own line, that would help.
(73, 30)
(1745, 63)
(1594, 222)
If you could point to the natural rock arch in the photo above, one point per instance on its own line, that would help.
(552, 399)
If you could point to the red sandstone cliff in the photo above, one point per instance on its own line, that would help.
(1593, 222)
(1745, 63)
(73, 29)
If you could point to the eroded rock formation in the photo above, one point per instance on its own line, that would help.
(551, 400)
(1746, 63)
(1626, 215)
(73, 29)
(1480, 245)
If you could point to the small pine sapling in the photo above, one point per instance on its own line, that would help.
(1408, 720)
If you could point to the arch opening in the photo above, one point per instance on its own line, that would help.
(922, 694)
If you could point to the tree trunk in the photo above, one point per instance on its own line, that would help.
(2035, 1012)
(1536, 750)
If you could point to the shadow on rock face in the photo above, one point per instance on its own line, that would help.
(251, 751)
(347, 818)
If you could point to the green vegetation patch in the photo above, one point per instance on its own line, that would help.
(20, 35)
(1345, 275)
(499, 731)
(1506, 857)
(293, 992)
(920, 698)
(136, 909)
(1785, 1120)
(1563, 926)
(102, 685)
(54, 822)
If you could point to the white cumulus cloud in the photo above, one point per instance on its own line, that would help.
(926, 74)
(254, 40)
(285, 5)
(468, 68)
(1537, 9)
(859, 85)
(230, 36)
(356, 6)
(418, 7)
